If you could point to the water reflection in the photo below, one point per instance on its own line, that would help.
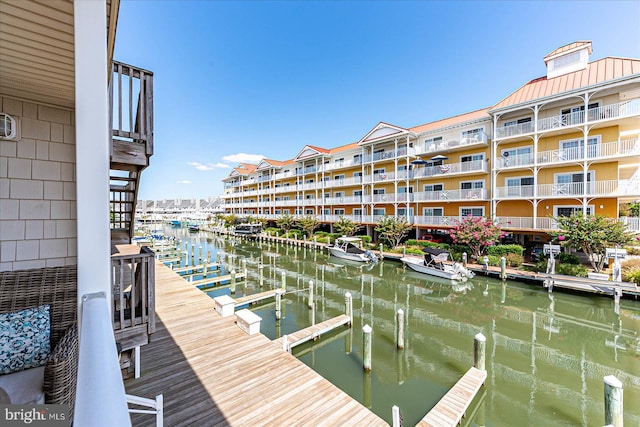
(546, 353)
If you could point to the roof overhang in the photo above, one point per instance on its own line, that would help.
(309, 152)
(383, 131)
(37, 59)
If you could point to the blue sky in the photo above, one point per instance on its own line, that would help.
(239, 80)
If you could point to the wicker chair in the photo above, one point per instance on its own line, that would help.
(56, 286)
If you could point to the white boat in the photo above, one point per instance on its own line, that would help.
(435, 264)
(248, 230)
(345, 248)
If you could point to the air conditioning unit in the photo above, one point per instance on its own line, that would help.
(8, 127)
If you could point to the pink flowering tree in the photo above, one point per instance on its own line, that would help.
(476, 232)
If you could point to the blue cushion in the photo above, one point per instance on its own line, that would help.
(24, 339)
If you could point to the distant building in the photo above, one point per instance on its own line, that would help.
(176, 207)
(562, 143)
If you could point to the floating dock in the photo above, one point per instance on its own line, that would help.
(313, 332)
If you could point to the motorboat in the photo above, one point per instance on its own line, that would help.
(248, 230)
(345, 248)
(435, 263)
(193, 227)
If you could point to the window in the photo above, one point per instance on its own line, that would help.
(517, 156)
(286, 211)
(472, 185)
(573, 183)
(472, 211)
(472, 135)
(338, 194)
(286, 198)
(565, 60)
(357, 159)
(570, 210)
(338, 211)
(309, 212)
(573, 149)
(277, 199)
(338, 162)
(277, 186)
(472, 158)
(378, 191)
(308, 181)
(286, 184)
(379, 212)
(357, 177)
(520, 186)
(298, 211)
(432, 211)
(338, 178)
(326, 212)
(327, 195)
(402, 190)
(357, 212)
(517, 122)
(405, 212)
(278, 211)
(433, 187)
(357, 193)
(432, 142)
(575, 115)
(309, 196)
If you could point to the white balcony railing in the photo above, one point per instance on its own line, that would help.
(547, 223)
(450, 195)
(450, 141)
(611, 188)
(450, 169)
(605, 112)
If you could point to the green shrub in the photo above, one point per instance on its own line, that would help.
(633, 250)
(365, 239)
(631, 271)
(571, 270)
(273, 231)
(503, 250)
(414, 251)
(541, 266)
(411, 242)
(514, 260)
(296, 234)
(568, 259)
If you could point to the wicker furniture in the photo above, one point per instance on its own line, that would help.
(56, 286)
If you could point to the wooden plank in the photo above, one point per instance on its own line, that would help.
(248, 299)
(216, 280)
(315, 331)
(453, 405)
(218, 375)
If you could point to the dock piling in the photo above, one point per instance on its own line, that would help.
(348, 309)
(233, 281)
(396, 416)
(479, 349)
(613, 401)
(503, 268)
(261, 274)
(310, 303)
(283, 284)
(464, 259)
(244, 268)
(400, 327)
(366, 347)
(381, 247)
(279, 304)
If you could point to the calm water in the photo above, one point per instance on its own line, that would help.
(546, 354)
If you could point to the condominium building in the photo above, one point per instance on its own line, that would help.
(521, 162)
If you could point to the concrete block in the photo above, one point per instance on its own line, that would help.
(29, 110)
(9, 149)
(25, 265)
(9, 209)
(27, 148)
(66, 228)
(4, 188)
(12, 106)
(225, 305)
(4, 166)
(42, 150)
(67, 171)
(8, 251)
(45, 170)
(69, 134)
(57, 132)
(19, 168)
(26, 189)
(62, 152)
(27, 249)
(72, 247)
(69, 191)
(60, 209)
(54, 248)
(49, 229)
(53, 190)
(56, 262)
(12, 230)
(35, 209)
(35, 129)
(34, 229)
(51, 114)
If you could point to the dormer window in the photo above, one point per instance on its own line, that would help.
(568, 59)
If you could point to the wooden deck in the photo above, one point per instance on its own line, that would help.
(215, 280)
(248, 299)
(212, 373)
(314, 331)
(453, 406)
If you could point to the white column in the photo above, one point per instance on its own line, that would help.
(92, 148)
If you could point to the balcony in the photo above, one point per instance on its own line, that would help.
(449, 142)
(346, 200)
(476, 166)
(131, 109)
(547, 223)
(450, 195)
(599, 114)
(346, 163)
(343, 182)
(612, 188)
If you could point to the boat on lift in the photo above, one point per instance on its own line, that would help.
(346, 248)
(248, 230)
(435, 263)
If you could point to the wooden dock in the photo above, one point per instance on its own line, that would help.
(190, 268)
(453, 406)
(313, 332)
(215, 280)
(218, 375)
(248, 299)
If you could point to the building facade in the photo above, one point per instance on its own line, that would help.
(521, 162)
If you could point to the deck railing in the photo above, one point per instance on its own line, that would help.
(131, 109)
(548, 223)
(606, 112)
(610, 188)
(133, 287)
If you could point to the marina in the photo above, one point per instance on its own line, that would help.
(535, 339)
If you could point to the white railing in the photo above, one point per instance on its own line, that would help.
(346, 163)
(282, 175)
(547, 223)
(605, 112)
(450, 169)
(343, 200)
(450, 141)
(436, 220)
(100, 383)
(343, 182)
(611, 188)
(449, 195)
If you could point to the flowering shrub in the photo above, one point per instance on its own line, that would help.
(478, 233)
